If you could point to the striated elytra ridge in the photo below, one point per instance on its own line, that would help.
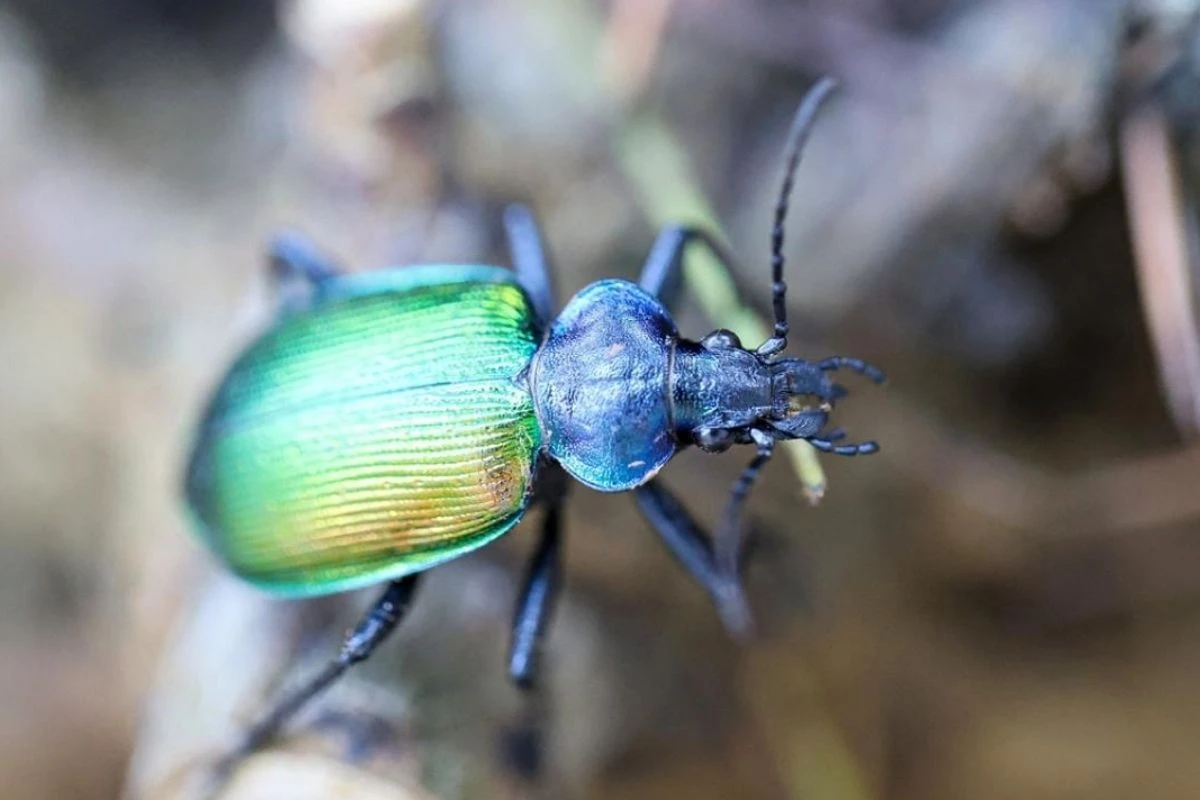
(378, 433)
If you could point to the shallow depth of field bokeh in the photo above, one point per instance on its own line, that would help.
(998, 208)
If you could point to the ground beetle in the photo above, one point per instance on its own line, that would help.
(402, 418)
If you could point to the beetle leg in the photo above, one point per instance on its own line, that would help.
(694, 551)
(729, 541)
(529, 259)
(293, 256)
(662, 274)
(300, 271)
(536, 604)
(369, 633)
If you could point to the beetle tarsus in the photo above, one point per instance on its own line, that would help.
(734, 610)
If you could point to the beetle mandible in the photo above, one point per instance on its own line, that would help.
(402, 418)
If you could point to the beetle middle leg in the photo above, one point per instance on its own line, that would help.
(529, 259)
(371, 631)
(694, 550)
(292, 255)
(535, 606)
(300, 270)
(537, 599)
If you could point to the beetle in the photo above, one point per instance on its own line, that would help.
(394, 420)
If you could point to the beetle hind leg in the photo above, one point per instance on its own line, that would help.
(371, 631)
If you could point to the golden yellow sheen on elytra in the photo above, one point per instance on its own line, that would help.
(375, 435)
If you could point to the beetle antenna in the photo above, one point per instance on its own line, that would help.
(802, 124)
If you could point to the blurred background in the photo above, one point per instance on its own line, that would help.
(998, 208)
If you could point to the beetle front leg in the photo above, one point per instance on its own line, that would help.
(662, 274)
(694, 551)
(728, 546)
(536, 603)
(359, 644)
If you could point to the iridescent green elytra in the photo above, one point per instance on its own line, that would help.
(383, 431)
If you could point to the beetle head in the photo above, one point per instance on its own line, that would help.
(804, 397)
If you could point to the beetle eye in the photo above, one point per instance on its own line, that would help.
(714, 440)
(721, 339)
